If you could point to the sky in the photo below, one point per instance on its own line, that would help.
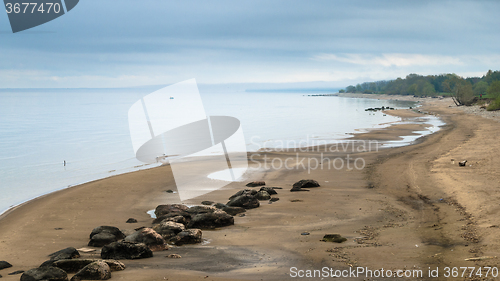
(127, 43)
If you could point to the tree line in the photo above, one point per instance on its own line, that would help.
(464, 91)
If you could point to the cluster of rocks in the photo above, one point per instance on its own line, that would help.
(375, 109)
(67, 261)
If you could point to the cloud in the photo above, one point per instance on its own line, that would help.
(388, 60)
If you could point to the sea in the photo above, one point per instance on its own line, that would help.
(51, 139)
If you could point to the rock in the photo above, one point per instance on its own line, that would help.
(48, 273)
(75, 265)
(16, 272)
(263, 195)
(168, 229)
(274, 199)
(186, 217)
(216, 219)
(4, 264)
(131, 220)
(189, 236)
(462, 163)
(98, 270)
(241, 215)
(174, 256)
(256, 183)
(68, 253)
(149, 237)
(104, 235)
(233, 211)
(305, 184)
(170, 208)
(244, 201)
(126, 250)
(207, 203)
(201, 210)
(220, 205)
(252, 192)
(269, 190)
(333, 238)
(169, 191)
(102, 239)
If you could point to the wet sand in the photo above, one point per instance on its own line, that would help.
(409, 207)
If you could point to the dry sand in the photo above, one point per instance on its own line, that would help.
(410, 207)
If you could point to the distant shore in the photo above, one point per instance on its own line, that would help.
(409, 207)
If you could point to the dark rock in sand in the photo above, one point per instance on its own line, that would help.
(108, 229)
(262, 195)
(98, 270)
(274, 199)
(169, 191)
(306, 184)
(212, 220)
(126, 250)
(243, 192)
(297, 189)
(256, 183)
(244, 201)
(201, 210)
(189, 236)
(269, 190)
(233, 211)
(48, 273)
(180, 217)
(75, 265)
(149, 237)
(4, 264)
(168, 229)
(170, 208)
(208, 203)
(102, 239)
(333, 238)
(68, 253)
(16, 272)
(220, 206)
(131, 220)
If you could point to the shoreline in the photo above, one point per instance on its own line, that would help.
(396, 212)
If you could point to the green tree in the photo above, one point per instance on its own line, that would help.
(480, 88)
(413, 89)
(341, 91)
(494, 89)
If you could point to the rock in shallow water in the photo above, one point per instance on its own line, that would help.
(168, 229)
(189, 236)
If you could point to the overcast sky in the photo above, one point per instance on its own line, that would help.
(110, 43)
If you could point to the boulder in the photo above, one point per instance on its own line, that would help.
(256, 183)
(48, 273)
(269, 190)
(170, 208)
(168, 229)
(201, 210)
(98, 270)
(306, 184)
(233, 211)
(186, 217)
(126, 250)
(333, 238)
(131, 220)
(244, 201)
(212, 220)
(68, 253)
(220, 205)
(4, 264)
(262, 195)
(75, 265)
(243, 192)
(189, 236)
(104, 235)
(149, 237)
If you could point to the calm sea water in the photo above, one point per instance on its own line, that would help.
(40, 129)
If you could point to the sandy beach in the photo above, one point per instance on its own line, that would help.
(410, 207)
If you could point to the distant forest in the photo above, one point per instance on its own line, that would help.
(464, 91)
